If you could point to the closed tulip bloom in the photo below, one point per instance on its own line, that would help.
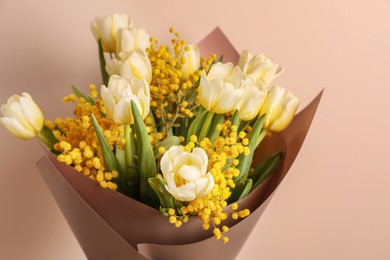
(192, 61)
(130, 39)
(22, 117)
(260, 67)
(131, 64)
(251, 102)
(279, 106)
(185, 173)
(118, 95)
(105, 29)
(220, 91)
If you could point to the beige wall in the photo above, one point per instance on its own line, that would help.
(334, 204)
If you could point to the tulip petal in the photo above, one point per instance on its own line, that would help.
(189, 173)
(16, 128)
(220, 70)
(31, 112)
(108, 99)
(228, 99)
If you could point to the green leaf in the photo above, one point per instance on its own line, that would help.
(166, 199)
(205, 126)
(240, 191)
(102, 61)
(146, 162)
(213, 132)
(168, 142)
(110, 161)
(265, 169)
(246, 160)
(47, 137)
(132, 178)
(81, 95)
(236, 119)
(197, 124)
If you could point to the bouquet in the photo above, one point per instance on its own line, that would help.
(176, 149)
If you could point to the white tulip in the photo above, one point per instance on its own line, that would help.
(22, 117)
(105, 29)
(131, 64)
(192, 61)
(185, 173)
(260, 67)
(251, 102)
(130, 39)
(220, 91)
(118, 95)
(279, 106)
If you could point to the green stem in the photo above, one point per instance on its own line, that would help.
(131, 172)
(206, 125)
(47, 137)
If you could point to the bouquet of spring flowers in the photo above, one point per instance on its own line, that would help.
(175, 150)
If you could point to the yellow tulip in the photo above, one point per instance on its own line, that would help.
(279, 106)
(105, 29)
(220, 91)
(131, 64)
(130, 39)
(22, 117)
(185, 173)
(260, 67)
(118, 95)
(192, 61)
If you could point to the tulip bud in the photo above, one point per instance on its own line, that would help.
(22, 117)
(251, 102)
(130, 39)
(185, 173)
(105, 29)
(279, 106)
(220, 91)
(118, 95)
(192, 61)
(131, 64)
(260, 67)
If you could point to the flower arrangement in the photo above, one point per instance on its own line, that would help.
(173, 130)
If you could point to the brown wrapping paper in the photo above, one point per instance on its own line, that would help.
(109, 225)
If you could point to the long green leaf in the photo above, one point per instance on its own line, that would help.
(146, 162)
(166, 199)
(102, 62)
(265, 169)
(240, 191)
(246, 160)
(110, 161)
(81, 95)
(205, 127)
(197, 124)
(213, 132)
(47, 137)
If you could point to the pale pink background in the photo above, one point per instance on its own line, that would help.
(334, 204)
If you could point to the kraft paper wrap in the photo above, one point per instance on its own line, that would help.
(109, 225)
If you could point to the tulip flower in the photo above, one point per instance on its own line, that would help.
(192, 61)
(130, 39)
(260, 67)
(185, 173)
(251, 102)
(105, 29)
(279, 106)
(131, 64)
(220, 91)
(118, 95)
(22, 117)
